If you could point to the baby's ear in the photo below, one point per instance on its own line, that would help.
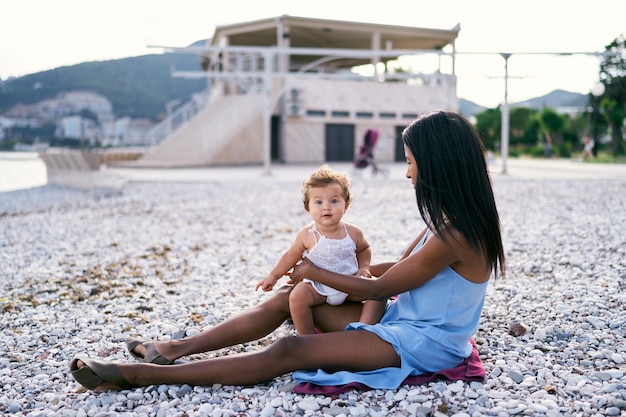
(347, 205)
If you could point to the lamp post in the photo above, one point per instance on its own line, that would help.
(598, 88)
(596, 91)
(504, 146)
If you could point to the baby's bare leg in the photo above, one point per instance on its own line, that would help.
(302, 299)
(373, 311)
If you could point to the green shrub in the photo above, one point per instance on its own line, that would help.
(536, 151)
(565, 150)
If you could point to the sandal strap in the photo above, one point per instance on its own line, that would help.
(97, 371)
(152, 355)
(85, 376)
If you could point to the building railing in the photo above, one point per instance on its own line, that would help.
(250, 70)
(176, 119)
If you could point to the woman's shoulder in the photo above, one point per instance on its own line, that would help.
(469, 263)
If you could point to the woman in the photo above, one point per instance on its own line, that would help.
(441, 282)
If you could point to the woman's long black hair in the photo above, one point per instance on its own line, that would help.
(453, 183)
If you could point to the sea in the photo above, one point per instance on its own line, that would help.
(21, 170)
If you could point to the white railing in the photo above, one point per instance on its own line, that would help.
(175, 120)
(251, 70)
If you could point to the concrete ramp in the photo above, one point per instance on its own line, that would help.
(83, 170)
(228, 131)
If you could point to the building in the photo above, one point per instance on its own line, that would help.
(301, 90)
(81, 115)
(132, 132)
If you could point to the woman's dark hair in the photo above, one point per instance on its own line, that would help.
(453, 183)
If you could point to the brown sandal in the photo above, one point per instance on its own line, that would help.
(96, 371)
(151, 356)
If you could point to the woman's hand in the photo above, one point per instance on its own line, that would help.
(300, 271)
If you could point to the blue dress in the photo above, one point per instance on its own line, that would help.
(429, 327)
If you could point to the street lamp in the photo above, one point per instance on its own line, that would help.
(504, 146)
(597, 89)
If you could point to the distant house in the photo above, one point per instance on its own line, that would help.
(132, 132)
(65, 111)
(301, 90)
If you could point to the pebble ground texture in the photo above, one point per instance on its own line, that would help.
(168, 257)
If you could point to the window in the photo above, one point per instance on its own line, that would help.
(340, 113)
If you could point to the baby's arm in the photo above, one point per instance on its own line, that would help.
(284, 264)
(363, 252)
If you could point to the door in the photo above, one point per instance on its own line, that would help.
(399, 145)
(339, 143)
(276, 150)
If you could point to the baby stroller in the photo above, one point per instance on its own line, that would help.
(365, 158)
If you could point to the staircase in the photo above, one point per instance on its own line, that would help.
(175, 120)
(224, 132)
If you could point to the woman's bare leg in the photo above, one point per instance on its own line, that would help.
(352, 350)
(255, 323)
(335, 318)
(252, 324)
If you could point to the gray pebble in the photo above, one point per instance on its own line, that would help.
(153, 259)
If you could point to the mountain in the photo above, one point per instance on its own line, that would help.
(469, 108)
(136, 87)
(140, 86)
(556, 99)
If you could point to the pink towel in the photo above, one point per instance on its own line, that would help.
(471, 369)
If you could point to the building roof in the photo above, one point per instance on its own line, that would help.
(332, 34)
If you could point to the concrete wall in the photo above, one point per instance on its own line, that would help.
(78, 169)
(230, 129)
(365, 105)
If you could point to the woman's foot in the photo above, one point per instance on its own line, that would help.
(98, 375)
(145, 351)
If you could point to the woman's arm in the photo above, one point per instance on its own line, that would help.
(413, 244)
(379, 269)
(411, 272)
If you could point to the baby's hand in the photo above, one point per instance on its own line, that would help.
(267, 283)
(364, 272)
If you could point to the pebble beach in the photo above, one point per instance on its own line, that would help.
(166, 256)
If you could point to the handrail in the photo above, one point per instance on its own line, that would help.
(174, 120)
(243, 67)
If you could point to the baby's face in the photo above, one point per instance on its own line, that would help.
(327, 204)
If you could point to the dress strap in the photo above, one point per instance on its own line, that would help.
(313, 230)
(345, 229)
(422, 240)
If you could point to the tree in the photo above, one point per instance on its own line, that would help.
(553, 124)
(488, 124)
(613, 101)
(522, 124)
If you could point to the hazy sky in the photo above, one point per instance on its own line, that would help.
(37, 35)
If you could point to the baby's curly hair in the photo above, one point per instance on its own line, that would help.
(324, 176)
